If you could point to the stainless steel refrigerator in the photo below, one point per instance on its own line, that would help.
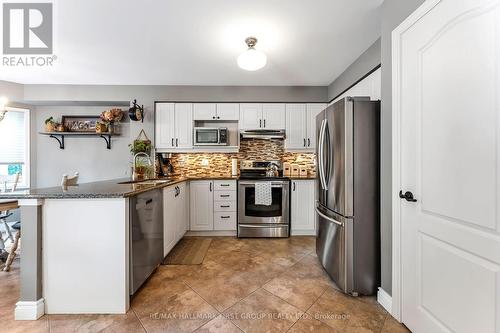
(348, 198)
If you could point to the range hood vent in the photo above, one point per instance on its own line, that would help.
(263, 134)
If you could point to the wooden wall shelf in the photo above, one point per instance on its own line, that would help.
(59, 136)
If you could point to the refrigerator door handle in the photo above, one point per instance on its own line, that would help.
(321, 157)
(328, 218)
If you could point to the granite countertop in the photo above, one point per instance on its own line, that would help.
(103, 189)
(114, 188)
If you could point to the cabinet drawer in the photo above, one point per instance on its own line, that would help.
(225, 195)
(225, 185)
(225, 206)
(225, 221)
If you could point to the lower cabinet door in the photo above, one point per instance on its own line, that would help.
(169, 219)
(182, 213)
(225, 221)
(303, 219)
(201, 205)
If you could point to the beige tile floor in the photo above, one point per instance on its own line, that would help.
(243, 285)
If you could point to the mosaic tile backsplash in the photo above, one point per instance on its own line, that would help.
(195, 164)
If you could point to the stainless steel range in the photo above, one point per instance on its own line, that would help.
(263, 200)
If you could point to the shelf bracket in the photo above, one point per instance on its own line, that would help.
(60, 140)
(107, 138)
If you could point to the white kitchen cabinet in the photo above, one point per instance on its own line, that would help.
(204, 111)
(165, 125)
(273, 116)
(201, 205)
(301, 126)
(303, 220)
(312, 111)
(183, 210)
(175, 215)
(250, 116)
(228, 111)
(173, 126)
(296, 129)
(213, 111)
(183, 125)
(262, 116)
(225, 206)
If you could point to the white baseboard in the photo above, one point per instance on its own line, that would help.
(303, 233)
(211, 233)
(384, 299)
(29, 310)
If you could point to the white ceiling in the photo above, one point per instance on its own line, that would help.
(196, 42)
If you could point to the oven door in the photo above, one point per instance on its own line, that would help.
(276, 213)
(206, 136)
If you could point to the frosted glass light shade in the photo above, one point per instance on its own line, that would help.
(252, 60)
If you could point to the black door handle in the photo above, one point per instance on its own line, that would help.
(408, 196)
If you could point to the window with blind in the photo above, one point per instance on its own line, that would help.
(14, 147)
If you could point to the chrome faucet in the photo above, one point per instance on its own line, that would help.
(134, 174)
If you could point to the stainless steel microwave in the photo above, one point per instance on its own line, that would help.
(207, 136)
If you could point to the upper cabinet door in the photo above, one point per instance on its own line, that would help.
(296, 129)
(250, 116)
(164, 125)
(273, 116)
(228, 111)
(204, 111)
(312, 111)
(184, 125)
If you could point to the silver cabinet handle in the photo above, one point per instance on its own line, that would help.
(309, 142)
(294, 186)
(328, 218)
(173, 142)
(177, 142)
(264, 123)
(260, 123)
(225, 185)
(210, 186)
(224, 195)
(225, 217)
(225, 206)
(304, 142)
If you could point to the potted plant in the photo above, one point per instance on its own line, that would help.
(141, 144)
(101, 127)
(111, 117)
(50, 124)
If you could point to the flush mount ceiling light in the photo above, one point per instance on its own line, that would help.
(252, 59)
(3, 107)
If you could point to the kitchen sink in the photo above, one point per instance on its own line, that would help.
(148, 181)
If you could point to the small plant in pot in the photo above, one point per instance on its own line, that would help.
(101, 127)
(50, 124)
(140, 146)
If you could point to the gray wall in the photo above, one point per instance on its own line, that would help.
(393, 13)
(13, 91)
(366, 62)
(89, 155)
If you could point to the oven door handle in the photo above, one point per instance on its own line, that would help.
(272, 225)
(273, 184)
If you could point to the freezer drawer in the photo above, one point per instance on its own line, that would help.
(334, 248)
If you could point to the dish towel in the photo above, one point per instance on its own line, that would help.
(263, 193)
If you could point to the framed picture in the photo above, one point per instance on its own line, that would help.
(79, 123)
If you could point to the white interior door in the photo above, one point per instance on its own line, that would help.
(447, 93)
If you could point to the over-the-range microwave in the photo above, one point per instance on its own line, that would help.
(210, 136)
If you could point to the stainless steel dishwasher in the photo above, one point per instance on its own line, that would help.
(146, 236)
